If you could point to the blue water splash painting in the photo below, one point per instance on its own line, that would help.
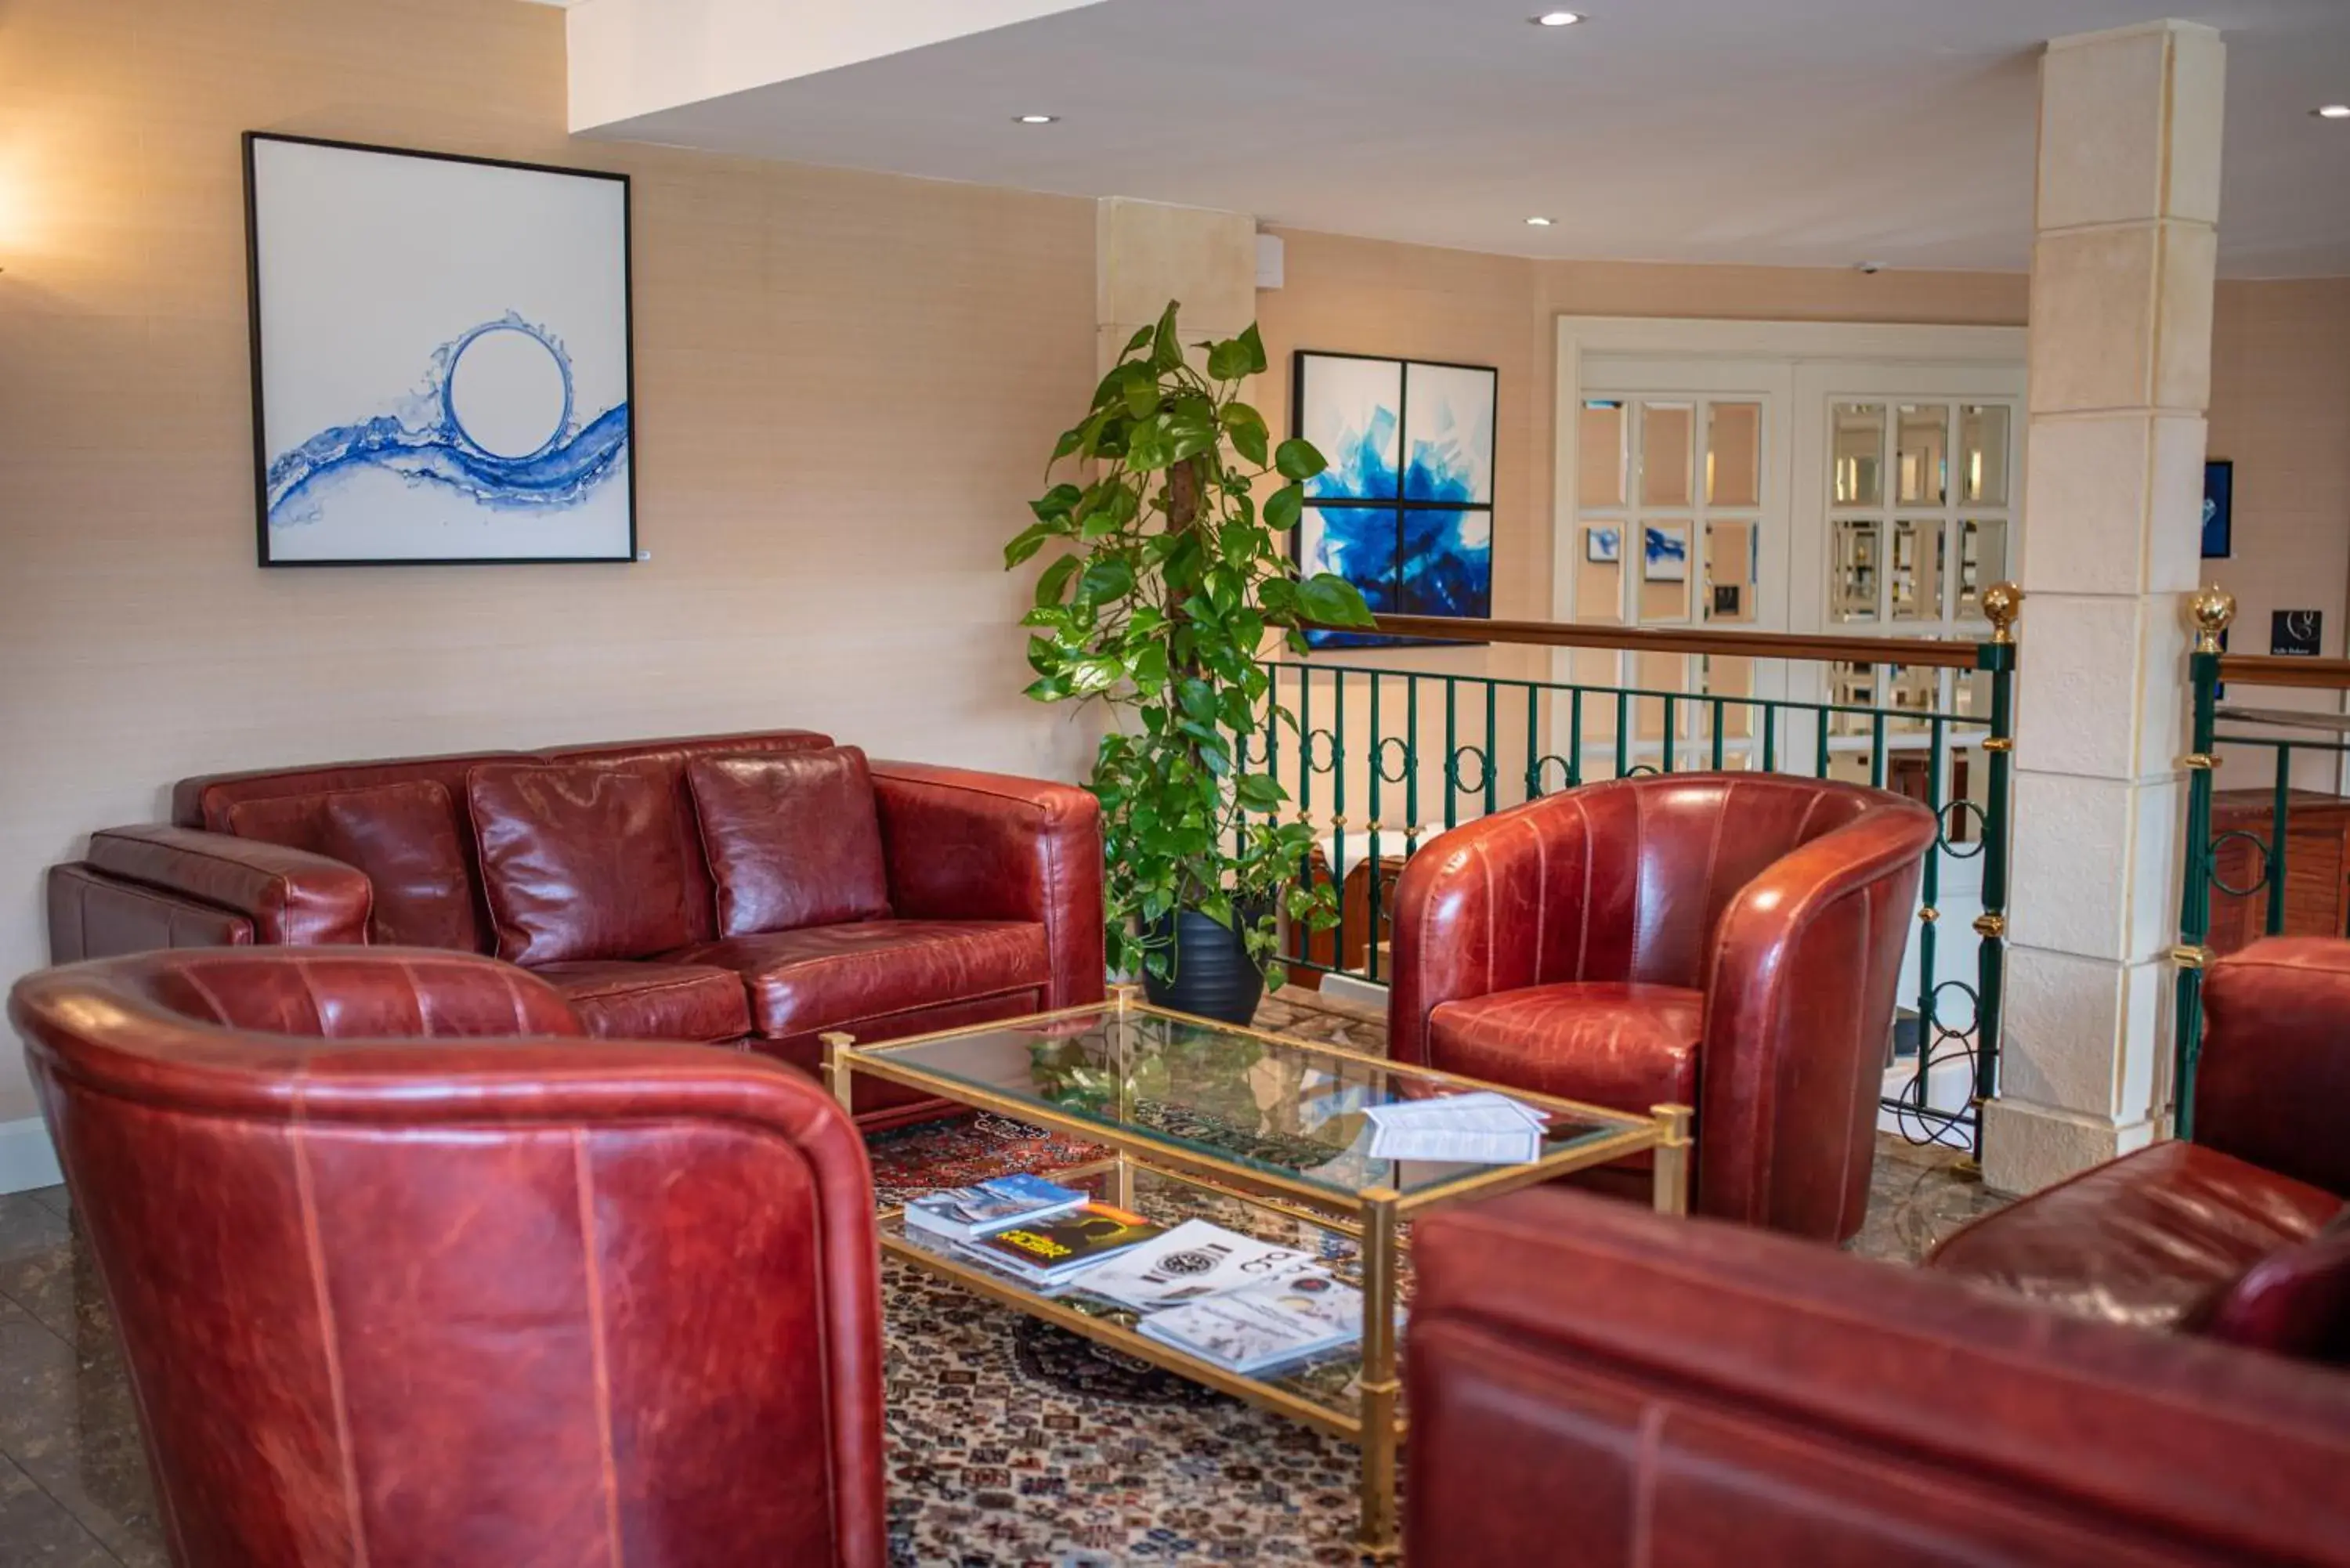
(425, 443)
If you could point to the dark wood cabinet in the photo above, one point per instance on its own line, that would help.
(2316, 858)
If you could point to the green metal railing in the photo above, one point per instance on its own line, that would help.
(1385, 759)
(2268, 848)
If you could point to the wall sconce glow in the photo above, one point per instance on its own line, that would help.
(1038, 118)
(1538, 223)
(1556, 20)
(2333, 111)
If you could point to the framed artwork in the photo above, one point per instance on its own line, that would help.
(1666, 551)
(1405, 510)
(1603, 545)
(442, 366)
(2218, 509)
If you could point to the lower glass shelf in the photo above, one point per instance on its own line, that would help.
(1324, 1393)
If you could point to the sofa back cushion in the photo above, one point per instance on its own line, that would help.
(290, 807)
(791, 840)
(668, 759)
(2295, 1302)
(583, 860)
(402, 835)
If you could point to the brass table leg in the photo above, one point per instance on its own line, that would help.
(1672, 1159)
(1380, 1390)
(837, 1067)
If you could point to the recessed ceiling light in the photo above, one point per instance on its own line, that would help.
(1038, 118)
(1556, 20)
(2333, 111)
(1538, 223)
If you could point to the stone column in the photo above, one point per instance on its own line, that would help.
(1148, 252)
(2120, 375)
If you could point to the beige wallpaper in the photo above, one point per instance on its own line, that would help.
(846, 386)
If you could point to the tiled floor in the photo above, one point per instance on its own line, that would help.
(74, 1491)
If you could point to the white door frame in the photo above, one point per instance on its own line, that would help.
(1711, 342)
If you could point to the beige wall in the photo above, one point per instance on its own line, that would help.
(2281, 411)
(845, 385)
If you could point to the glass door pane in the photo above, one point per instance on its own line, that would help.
(1600, 455)
(1916, 571)
(1668, 444)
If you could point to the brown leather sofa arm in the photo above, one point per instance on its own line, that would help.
(92, 915)
(965, 846)
(1592, 1385)
(291, 896)
(2273, 1085)
(1784, 997)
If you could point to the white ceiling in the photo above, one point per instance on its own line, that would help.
(1786, 132)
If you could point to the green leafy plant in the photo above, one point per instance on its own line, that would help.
(1161, 608)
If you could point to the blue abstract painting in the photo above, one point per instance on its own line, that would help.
(1351, 408)
(1359, 544)
(1404, 511)
(442, 353)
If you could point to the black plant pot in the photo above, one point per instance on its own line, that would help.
(1211, 974)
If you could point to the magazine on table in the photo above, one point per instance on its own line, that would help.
(964, 1213)
(1051, 1252)
(1480, 1128)
(1193, 1260)
(1263, 1325)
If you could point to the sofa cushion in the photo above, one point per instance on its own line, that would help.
(1621, 1045)
(791, 840)
(404, 836)
(2295, 1302)
(839, 977)
(401, 834)
(581, 860)
(2141, 1240)
(633, 998)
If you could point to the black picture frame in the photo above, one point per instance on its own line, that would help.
(250, 140)
(2218, 509)
(1358, 641)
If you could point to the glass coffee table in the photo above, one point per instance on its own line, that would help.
(1267, 1134)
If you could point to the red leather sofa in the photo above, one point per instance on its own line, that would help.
(403, 1274)
(722, 889)
(1596, 1386)
(1726, 942)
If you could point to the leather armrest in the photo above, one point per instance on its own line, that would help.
(1592, 1385)
(292, 896)
(965, 846)
(93, 915)
(2273, 1085)
(1464, 920)
(1805, 962)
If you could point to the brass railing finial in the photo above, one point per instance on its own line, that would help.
(2003, 605)
(2211, 609)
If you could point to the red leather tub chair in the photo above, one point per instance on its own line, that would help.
(408, 1272)
(1726, 942)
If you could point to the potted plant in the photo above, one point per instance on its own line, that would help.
(1161, 609)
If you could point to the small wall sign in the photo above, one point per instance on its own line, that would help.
(2295, 632)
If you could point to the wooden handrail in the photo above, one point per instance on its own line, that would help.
(2281, 670)
(1915, 651)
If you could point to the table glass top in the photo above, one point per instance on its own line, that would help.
(1288, 1108)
